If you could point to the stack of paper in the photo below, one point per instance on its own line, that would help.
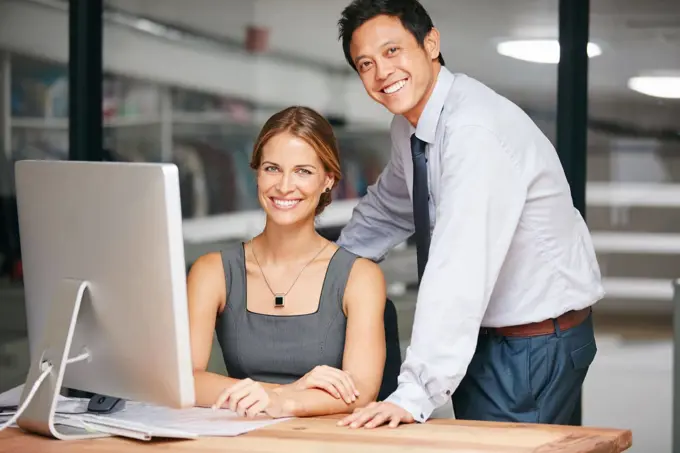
(197, 420)
(9, 402)
(144, 421)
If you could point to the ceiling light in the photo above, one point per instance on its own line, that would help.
(539, 50)
(657, 86)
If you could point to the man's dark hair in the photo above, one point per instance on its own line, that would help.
(411, 13)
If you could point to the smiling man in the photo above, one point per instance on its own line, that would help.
(506, 267)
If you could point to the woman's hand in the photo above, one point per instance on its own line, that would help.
(249, 399)
(332, 380)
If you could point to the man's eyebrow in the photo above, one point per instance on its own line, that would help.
(356, 60)
(383, 45)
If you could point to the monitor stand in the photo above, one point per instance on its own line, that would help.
(39, 415)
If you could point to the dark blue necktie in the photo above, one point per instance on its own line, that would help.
(421, 208)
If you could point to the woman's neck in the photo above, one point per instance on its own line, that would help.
(289, 244)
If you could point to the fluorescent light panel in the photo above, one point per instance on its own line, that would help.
(539, 50)
(667, 87)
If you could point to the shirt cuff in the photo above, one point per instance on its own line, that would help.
(413, 398)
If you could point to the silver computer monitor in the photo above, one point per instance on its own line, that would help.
(105, 280)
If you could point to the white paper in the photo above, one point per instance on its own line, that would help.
(116, 427)
(198, 420)
(158, 420)
(12, 397)
(65, 406)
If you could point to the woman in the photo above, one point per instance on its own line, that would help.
(299, 320)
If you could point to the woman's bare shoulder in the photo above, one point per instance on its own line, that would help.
(206, 282)
(207, 264)
(366, 282)
(366, 272)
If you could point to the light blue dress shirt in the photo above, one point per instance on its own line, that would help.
(508, 247)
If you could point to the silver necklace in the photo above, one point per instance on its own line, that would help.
(279, 300)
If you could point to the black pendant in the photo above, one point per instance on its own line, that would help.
(278, 301)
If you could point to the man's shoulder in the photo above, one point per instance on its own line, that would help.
(470, 102)
(468, 94)
(467, 86)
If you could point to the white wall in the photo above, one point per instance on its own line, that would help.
(629, 386)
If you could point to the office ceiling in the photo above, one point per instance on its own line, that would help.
(637, 36)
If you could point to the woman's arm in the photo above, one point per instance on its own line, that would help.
(207, 293)
(364, 355)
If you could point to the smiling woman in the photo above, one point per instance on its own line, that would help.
(299, 319)
(296, 151)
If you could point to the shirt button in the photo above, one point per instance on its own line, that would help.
(448, 392)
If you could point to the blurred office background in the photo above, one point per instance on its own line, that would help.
(191, 82)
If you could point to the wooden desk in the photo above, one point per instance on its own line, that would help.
(321, 435)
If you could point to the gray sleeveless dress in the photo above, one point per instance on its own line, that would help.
(281, 349)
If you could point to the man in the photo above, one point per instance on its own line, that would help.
(502, 323)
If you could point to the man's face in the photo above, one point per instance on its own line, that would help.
(395, 70)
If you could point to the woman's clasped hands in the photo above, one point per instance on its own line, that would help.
(335, 382)
(249, 398)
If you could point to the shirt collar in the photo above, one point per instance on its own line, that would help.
(427, 123)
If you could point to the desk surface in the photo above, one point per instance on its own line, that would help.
(322, 435)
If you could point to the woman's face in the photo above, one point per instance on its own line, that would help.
(290, 179)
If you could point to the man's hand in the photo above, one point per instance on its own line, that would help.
(376, 414)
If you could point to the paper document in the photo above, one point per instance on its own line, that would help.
(12, 397)
(9, 401)
(147, 420)
(198, 420)
(116, 427)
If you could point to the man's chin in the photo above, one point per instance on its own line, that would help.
(397, 108)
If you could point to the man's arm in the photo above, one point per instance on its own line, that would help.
(482, 197)
(384, 216)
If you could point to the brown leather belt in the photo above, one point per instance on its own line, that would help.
(566, 321)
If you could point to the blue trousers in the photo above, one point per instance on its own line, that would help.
(534, 379)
